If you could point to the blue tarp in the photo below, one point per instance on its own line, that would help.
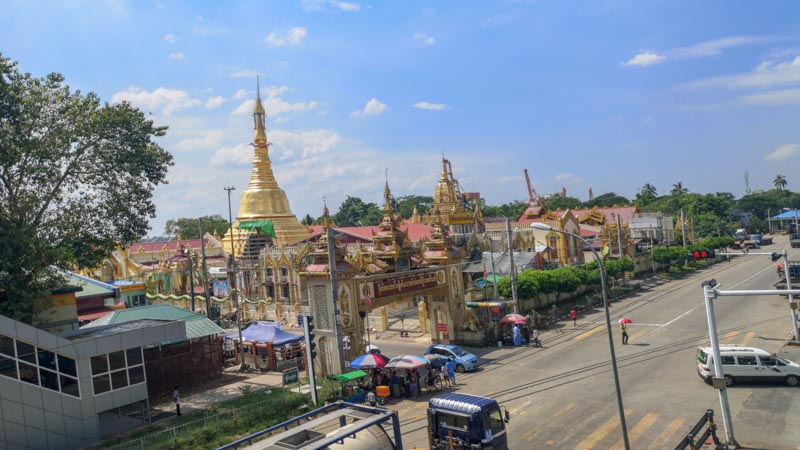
(266, 332)
(787, 215)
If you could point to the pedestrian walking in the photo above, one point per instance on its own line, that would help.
(176, 397)
(574, 315)
(536, 341)
(372, 398)
(445, 375)
(624, 333)
(451, 371)
(526, 335)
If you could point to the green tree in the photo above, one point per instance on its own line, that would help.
(649, 189)
(189, 228)
(567, 281)
(511, 210)
(606, 200)
(779, 181)
(405, 205)
(678, 189)
(76, 180)
(354, 212)
(556, 202)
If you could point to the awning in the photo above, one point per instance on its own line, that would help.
(350, 376)
(503, 304)
(492, 279)
(263, 225)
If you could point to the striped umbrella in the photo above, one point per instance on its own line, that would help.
(407, 362)
(369, 361)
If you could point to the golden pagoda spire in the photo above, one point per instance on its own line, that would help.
(326, 218)
(259, 115)
(444, 168)
(415, 216)
(387, 195)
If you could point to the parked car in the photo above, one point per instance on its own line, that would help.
(741, 364)
(463, 359)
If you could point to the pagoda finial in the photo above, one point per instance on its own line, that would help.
(259, 114)
(444, 167)
(326, 218)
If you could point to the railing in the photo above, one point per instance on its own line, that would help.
(697, 437)
(289, 364)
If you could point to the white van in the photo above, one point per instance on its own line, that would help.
(741, 364)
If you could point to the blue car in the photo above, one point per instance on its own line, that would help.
(464, 360)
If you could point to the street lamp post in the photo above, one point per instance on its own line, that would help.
(233, 267)
(191, 275)
(544, 226)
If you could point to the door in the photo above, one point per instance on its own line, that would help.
(772, 369)
(748, 369)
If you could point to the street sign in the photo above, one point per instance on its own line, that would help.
(290, 376)
(495, 311)
(300, 319)
(441, 327)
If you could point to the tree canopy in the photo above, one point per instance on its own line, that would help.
(354, 212)
(76, 180)
(189, 228)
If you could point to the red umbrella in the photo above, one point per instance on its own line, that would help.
(512, 318)
(625, 320)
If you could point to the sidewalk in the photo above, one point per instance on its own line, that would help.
(410, 325)
(203, 400)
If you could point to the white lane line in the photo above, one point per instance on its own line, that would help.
(682, 315)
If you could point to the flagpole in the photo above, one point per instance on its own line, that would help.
(369, 340)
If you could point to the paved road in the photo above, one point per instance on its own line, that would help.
(563, 396)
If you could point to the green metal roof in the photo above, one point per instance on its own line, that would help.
(263, 225)
(350, 376)
(197, 325)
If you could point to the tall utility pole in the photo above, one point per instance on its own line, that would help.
(683, 234)
(513, 269)
(233, 267)
(491, 255)
(619, 243)
(337, 318)
(205, 269)
(191, 275)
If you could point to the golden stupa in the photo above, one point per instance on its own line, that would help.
(264, 199)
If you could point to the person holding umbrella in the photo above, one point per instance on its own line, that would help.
(623, 326)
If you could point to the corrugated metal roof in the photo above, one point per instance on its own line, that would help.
(462, 403)
(197, 325)
(90, 287)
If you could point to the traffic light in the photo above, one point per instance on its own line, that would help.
(308, 330)
(702, 254)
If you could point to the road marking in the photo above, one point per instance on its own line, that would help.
(728, 337)
(519, 408)
(637, 431)
(748, 337)
(589, 333)
(637, 335)
(536, 430)
(673, 320)
(666, 435)
(598, 434)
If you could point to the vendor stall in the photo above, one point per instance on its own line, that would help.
(267, 347)
(354, 388)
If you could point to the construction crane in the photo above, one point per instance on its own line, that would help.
(533, 197)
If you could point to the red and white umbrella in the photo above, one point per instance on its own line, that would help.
(625, 320)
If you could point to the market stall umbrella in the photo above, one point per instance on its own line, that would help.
(625, 320)
(369, 361)
(437, 361)
(407, 362)
(513, 318)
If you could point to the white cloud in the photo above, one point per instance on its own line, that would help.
(244, 73)
(241, 93)
(306, 143)
(177, 56)
(205, 141)
(164, 99)
(346, 6)
(427, 40)
(716, 46)
(785, 151)
(644, 59)
(238, 155)
(568, 178)
(272, 102)
(767, 74)
(372, 108)
(772, 98)
(294, 36)
(215, 102)
(170, 38)
(431, 106)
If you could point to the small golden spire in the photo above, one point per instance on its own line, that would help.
(259, 115)
(387, 195)
(326, 219)
(444, 168)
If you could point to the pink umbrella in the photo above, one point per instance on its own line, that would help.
(513, 318)
(407, 362)
(625, 320)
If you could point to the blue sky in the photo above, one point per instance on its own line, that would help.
(606, 94)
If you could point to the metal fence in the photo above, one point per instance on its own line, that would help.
(167, 438)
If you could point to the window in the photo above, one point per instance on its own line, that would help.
(269, 272)
(49, 379)
(8, 367)
(67, 366)
(747, 360)
(493, 420)
(6, 345)
(768, 361)
(452, 421)
(37, 366)
(285, 291)
(26, 352)
(284, 272)
(47, 358)
(69, 386)
(117, 370)
(728, 361)
(28, 373)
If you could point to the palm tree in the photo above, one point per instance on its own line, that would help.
(649, 189)
(678, 189)
(779, 182)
